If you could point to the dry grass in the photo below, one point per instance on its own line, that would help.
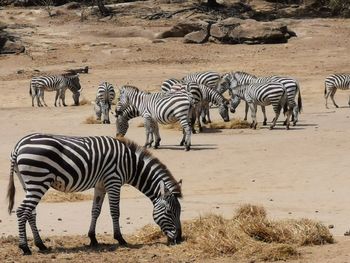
(249, 234)
(53, 196)
(91, 120)
(232, 124)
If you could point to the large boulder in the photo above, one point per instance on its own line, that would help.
(249, 31)
(183, 28)
(9, 44)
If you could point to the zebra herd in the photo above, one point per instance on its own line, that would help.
(74, 164)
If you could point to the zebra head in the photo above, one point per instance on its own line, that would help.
(75, 88)
(122, 125)
(224, 83)
(223, 110)
(235, 101)
(166, 213)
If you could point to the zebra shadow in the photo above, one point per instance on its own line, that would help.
(194, 147)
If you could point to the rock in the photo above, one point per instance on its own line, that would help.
(249, 31)
(197, 37)
(183, 28)
(10, 47)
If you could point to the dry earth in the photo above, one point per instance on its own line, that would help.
(303, 172)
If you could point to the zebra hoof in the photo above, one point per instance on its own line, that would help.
(264, 123)
(182, 143)
(271, 127)
(284, 123)
(187, 148)
(287, 127)
(42, 247)
(25, 249)
(294, 123)
(336, 106)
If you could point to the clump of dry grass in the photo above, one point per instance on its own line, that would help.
(232, 124)
(54, 196)
(248, 234)
(91, 120)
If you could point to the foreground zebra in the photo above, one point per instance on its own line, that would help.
(262, 94)
(58, 83)
(103, 102)
(74, 164)
(230, 80)
(334, 82)
(159, 108)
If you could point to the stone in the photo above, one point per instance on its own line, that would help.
(183, 28)
(11, 47)
(197, 37)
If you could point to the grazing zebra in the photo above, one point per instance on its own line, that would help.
(123, 114)
(272, 93)
(334, 82)
(75, 164)
(58, 83)
(104, 97)
(161, 108)
(291, 85)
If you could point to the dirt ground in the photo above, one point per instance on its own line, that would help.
(303, 172)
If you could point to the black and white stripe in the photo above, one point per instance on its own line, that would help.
(263, 94)
(167, 84)
(58, 83)
(164, 108)
(103, 102)
(74, 164)
(208, 78)
(334, 82)
(290, 84)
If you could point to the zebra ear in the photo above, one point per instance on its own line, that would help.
(180, 183)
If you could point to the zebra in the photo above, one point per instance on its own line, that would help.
(161, 108)
(334, 82)
(202, 95)
(123, 114)
(58, 83)
(75, 164)
(272, 93)
(104, 97)
(291, 85)
(208, 78)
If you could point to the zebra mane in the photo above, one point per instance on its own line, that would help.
(244, 74)
(130, 87)
(144, 153)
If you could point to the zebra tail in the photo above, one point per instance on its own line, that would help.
(285, 108)
(300, 103)
(325, 89)
(30, 89)
(11, 190)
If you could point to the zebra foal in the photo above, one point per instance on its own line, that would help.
(75, 164)
(103, 102)
(334, 82)
(58, 83)
(262, 94)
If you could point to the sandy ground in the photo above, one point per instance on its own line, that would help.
(303, 172)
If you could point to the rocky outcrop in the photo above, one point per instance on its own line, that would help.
(231, 31)
(8, 43)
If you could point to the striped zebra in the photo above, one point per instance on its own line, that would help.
(58, 83)
(263, 94)
(208, 78)
(75, 164)
(123, 114)
(291, 85)
(103, 102)
(157, 108)
(334, 82)
(203, 95)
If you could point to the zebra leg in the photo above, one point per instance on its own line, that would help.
(207, 112)
(42, 98)
(99, 195)
(264, 113)
(37, 239)
(98, 111)
(113, 191)
(63, 98)
(156, 135)
(197, 117)
(277, 110)
(57, 97)
(349, 101)
(332, 97)
(253, 110)
(295, 115)
(246, 111)
(149, 132)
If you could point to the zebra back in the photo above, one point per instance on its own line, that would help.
(167, 84)
(105, 93)
(208, 78)
(339, 81)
